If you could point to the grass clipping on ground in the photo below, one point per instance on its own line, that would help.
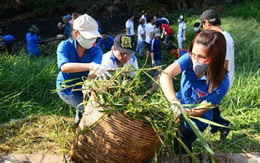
(37, 134)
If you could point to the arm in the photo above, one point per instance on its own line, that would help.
(74, 67)
(166, 81)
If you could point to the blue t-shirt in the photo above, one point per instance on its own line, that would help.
(32, 44)
(107, 44)
(67, 30)
(67, 53)
(156, 48)
(8, 39)
(195, 90)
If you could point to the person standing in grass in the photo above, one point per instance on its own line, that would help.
(167, 31)
(149, 29)
(6, 42)
(32, 41)
(181, 35)
(106, 42)
(204, 80)
(121, 54)
(156, 51)
(77, 60)
(140, 38)
(129, 26)
(210, 21)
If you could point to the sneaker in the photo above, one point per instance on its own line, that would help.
(225, 131)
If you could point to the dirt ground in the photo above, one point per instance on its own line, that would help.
(38, 158)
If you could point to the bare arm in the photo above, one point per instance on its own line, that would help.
(166, 81)
(74, 67)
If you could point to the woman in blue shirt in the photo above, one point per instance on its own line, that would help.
(78, 58)
(204, 79)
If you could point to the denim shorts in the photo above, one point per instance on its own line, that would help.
(75, 100)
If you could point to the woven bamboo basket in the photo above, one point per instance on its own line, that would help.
(113, 137)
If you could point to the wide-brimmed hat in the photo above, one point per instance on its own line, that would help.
(34, 29)
(87, 26)
(124, 43)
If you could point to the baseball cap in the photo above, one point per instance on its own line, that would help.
(181, 17)
(210, 15)
(87, 26)
(124, 43)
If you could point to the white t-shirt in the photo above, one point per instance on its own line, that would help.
(140, 31)
(230, 55)
(144, 17)
(149, 28)
(130, 26)
(182, 27)
(110, 61)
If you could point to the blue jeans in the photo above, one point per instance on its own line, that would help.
(140, 48)
(157, 63)
(218, 119)
(187, 137)
(75, 100)
(166, 40)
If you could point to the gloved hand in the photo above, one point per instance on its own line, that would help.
(184, 38)
(98, 69)
(153, 63)
(176, 107)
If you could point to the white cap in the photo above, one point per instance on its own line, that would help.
(157, 32)
(87, 26)
(181, 17)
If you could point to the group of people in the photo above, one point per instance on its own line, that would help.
(207, 67)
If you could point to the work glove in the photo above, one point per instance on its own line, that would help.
(184, 38)
(176, 108)
(153, 63)
(99, 70)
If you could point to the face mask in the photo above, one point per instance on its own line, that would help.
(86, 43)
(196, 29)
(179, 20)
(198, 67)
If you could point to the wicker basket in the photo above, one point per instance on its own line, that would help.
(114, 137)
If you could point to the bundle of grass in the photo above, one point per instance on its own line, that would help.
(117, 122)
(124, 120)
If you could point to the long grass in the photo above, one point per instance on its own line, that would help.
(27, 84)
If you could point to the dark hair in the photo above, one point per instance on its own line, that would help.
(215, 44)
(197, 24)
(103, 32)
(170, 47)
(150, 18)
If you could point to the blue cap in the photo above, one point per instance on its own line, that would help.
(64, 17)
(69, 16)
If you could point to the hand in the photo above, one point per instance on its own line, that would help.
(153, 63)
(98, 69)
(176, 108)
(184, 38)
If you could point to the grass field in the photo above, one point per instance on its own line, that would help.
(34, 120)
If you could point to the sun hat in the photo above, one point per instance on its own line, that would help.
(124, 43)
(87, 26)
(34, 29)
(210, 15)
